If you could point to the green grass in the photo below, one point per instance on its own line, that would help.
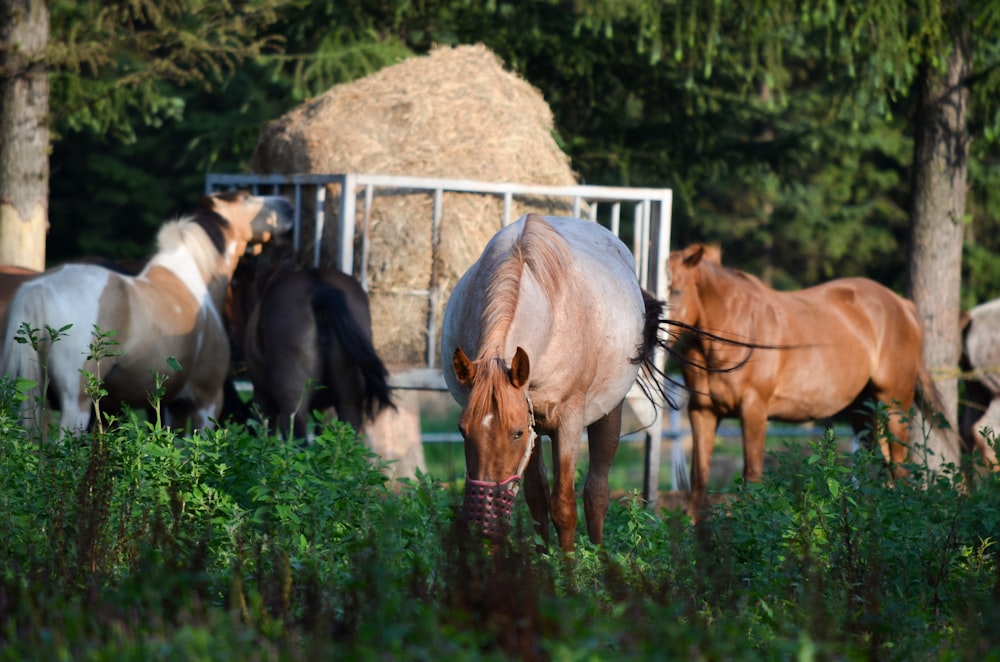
(143, 544)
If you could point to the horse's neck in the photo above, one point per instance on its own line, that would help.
(727, 298)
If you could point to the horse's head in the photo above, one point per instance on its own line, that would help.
(255, 219)
(684, 303)
(497, 426)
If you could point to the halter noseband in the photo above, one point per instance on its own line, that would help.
(489, 505)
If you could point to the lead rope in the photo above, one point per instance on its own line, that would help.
(531, 436)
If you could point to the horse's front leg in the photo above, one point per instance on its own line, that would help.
(536, 491)
(704, 424)
(604, 436)
(565, 449)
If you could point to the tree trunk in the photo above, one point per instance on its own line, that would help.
(940, 169)
(24, 133)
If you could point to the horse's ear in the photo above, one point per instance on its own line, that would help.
(519, 368)
(465, 370)
(693, 255)
(713, 253)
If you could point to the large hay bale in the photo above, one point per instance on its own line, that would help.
(455, 113)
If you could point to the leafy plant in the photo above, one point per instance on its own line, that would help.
(231, 544)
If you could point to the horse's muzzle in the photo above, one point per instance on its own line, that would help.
(489, 506)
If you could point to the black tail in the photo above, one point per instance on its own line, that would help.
(661, 333)
(652, 378)
(333, 317)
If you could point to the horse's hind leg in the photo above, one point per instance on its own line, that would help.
(536, 491)
(754, 423)
(899, 432)
(604, 436)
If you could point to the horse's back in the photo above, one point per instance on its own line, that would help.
(595, 332)
(866, 307)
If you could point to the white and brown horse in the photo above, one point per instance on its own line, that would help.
(171, 309)
(981, 363)
(557, 329)
(804, 355)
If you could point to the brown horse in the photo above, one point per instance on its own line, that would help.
(790, 356)
(558, 328)
(11, 278)
(981, 364)
(308, 346)
(171, 309)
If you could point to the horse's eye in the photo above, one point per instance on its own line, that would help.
(517, 435)
(676, 293)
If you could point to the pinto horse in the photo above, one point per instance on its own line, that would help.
(790, 356)
(172, 308)
(558, 328)
(981, 363)
(308, 345)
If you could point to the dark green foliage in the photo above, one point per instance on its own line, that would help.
(141, 544)
(779, 128)
(753, 115)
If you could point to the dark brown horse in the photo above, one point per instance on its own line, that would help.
(308, 346)
(797, 356)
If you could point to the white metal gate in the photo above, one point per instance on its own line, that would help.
(650, 241)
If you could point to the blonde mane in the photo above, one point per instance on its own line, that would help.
(201, 235)
(541, 249)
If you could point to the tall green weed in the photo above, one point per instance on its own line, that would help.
(137, 542)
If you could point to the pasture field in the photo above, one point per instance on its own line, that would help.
(140, 544)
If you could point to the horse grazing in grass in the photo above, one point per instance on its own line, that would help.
(172, 308)
(557, 329)
(307, 343)
(981, 362)
(790, 356)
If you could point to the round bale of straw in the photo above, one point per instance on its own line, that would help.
(456, 113)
